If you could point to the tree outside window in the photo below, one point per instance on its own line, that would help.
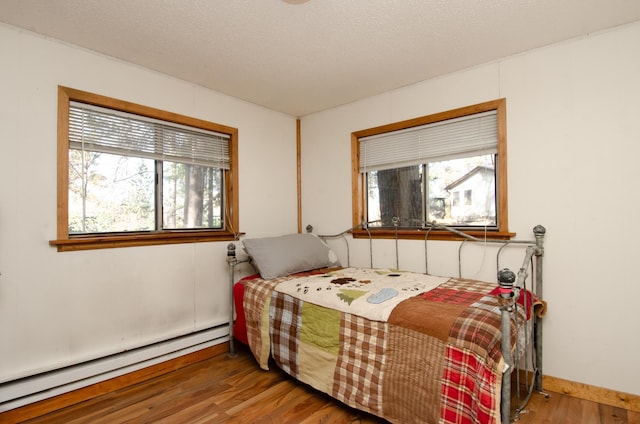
(448, 168)
(137, 175)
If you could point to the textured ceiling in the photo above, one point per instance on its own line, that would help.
(300, 57)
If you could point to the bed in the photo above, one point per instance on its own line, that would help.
(409, 347)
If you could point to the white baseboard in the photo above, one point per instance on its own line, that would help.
(14, 394)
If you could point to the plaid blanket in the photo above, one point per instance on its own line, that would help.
(436, 359)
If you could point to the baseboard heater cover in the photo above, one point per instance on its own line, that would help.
(24, 391)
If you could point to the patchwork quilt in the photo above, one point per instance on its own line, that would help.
(408, 347)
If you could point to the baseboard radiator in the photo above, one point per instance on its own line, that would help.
(24, 391)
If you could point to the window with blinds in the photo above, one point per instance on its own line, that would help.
(103, 130)
(443, 168)
(468, 136)
(131, 173)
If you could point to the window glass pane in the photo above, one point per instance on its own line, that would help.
(464, 190)
(110, 193)
(192, 196)
(395, 193)
(461, 192)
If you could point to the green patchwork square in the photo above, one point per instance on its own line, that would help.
(321, 327)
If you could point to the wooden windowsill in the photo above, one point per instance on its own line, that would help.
(109, 241)
(419, 234)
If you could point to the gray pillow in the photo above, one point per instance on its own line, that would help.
(279, 256)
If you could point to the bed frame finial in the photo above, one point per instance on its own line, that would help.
(506, 278)
(539, 230)
(231, 250)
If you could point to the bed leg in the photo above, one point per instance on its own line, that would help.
(538, 347)
(506, 278)
(232, 261)
(539, 231)
(505, 402)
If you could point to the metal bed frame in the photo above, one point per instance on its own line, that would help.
(510, 283)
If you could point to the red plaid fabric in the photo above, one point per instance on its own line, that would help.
(468, 387)
(526, 300)
(452, 296)
(468, 285)
(472, 374)
(475, 329)
(359, 372)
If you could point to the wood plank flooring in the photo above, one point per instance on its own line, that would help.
(236, 390)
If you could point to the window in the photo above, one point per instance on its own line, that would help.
(489, 215)
(448, 168)
(455, 198)
(133, 175)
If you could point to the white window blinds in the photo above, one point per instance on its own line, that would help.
(98, 129)
(471, 135)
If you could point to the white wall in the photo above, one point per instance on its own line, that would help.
(60, 308)
(573, 160)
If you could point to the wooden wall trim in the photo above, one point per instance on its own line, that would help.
(45, 406)
(299, 172)
(593, 393)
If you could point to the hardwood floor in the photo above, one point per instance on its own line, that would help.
(559, 408)
(226, 390)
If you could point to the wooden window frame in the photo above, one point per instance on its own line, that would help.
(66, 242)
(358, 179)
